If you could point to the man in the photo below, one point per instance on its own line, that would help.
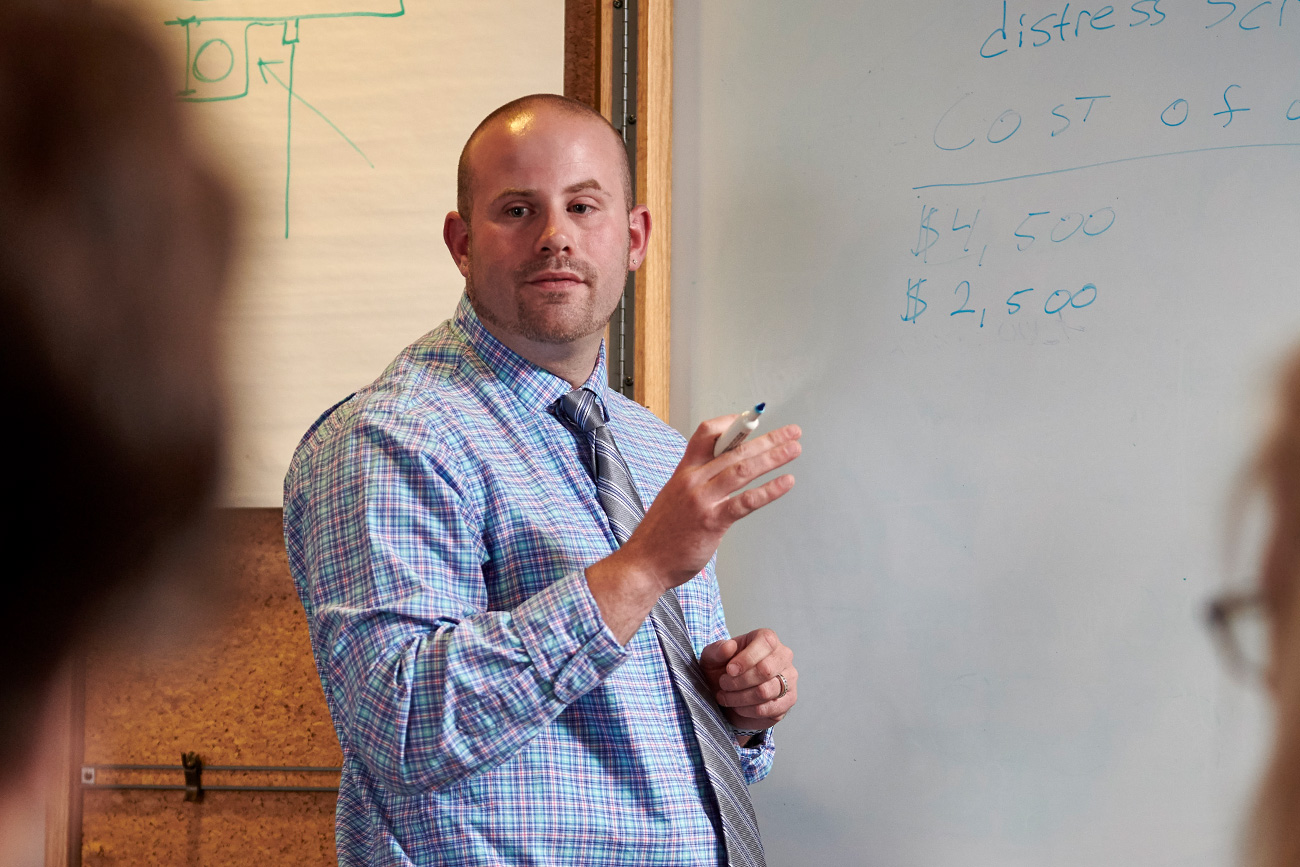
(464, 535)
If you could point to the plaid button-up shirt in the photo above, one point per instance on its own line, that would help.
(438, 524)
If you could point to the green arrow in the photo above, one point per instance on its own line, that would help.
(262, 68)
(263, 64)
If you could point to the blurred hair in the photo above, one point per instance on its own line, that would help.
(1274, 838)
(115, 243)
(523, 105)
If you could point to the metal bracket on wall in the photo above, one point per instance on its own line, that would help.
(192, 769)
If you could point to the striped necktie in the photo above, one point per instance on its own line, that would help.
(583, 409)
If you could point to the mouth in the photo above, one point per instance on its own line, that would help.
(555, 280)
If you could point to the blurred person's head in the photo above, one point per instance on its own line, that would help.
(1275, 835)
(115, 243)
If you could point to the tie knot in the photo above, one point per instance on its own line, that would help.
(583, 408)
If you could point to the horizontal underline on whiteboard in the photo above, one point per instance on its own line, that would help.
(1108, 163)
(281, 19)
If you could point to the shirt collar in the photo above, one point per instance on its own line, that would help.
(536, 388)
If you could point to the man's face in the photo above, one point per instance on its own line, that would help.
(548, 246)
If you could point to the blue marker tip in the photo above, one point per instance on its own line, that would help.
(759, 408)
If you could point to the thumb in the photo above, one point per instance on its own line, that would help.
(717, 654)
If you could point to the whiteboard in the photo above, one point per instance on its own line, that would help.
(341, 121)
(1027, 307)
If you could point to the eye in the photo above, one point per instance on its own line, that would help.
(581, 208)
(517, 211)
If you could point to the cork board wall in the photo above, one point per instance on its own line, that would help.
(245, 694)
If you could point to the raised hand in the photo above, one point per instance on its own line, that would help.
(683, 527)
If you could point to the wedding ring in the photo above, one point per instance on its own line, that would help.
(785, 686)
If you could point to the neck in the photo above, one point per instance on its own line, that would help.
(573, 361)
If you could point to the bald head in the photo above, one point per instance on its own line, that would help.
(517, 113)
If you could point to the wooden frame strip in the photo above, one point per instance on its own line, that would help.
(654, 181)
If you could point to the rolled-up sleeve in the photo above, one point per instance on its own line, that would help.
(427, 686)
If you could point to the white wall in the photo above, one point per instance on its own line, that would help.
(1007, 521)
(384, 105)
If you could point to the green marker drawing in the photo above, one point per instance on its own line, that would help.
(262, 67)
(215, 62)
(288, 137)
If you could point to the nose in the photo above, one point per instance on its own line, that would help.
(556, 237)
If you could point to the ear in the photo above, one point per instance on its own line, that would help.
(638, 225)
(455, 233)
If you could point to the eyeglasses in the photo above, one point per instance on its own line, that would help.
(1240, 624)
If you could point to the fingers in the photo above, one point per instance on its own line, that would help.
(764, 704)
(699, 449)
(716, 655)
(761, 658)
(750, 688)
(712, 483)
(768, 690)
(756, 498)
(740, 466)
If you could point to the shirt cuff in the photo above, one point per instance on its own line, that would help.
(756, 759)
(567, 640)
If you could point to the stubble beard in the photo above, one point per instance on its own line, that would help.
(532, 323)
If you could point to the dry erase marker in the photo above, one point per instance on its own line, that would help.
(739, 430)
